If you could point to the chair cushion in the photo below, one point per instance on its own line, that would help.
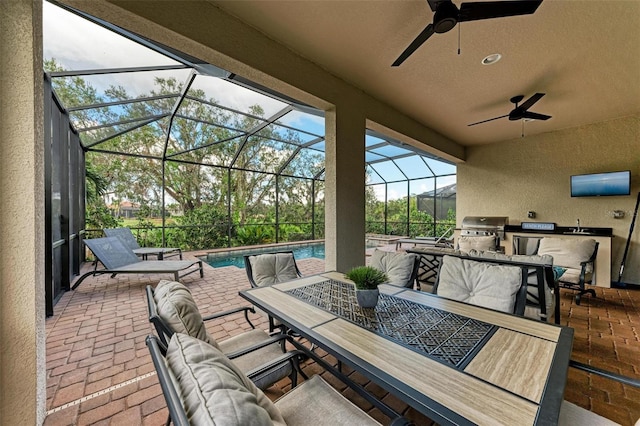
(484, 243)
(272, 268)
(532, 280)
(323, 405)
(484, 284)
(568, 252)
(572, 415)
(398, 266)
(248, 362)
(213, 390)
(175, 305)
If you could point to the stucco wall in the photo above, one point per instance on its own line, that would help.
(22, 373)
(532, 173)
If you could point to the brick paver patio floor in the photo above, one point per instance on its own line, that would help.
(99, 371)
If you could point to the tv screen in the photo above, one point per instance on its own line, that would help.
(598, 184)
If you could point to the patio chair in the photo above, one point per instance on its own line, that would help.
(542, 293)
(577, 259)
(129, 240)
(490, 285)
(400, 268)
(173, 310)
(268, 269)
(118, 259)
(203, 386)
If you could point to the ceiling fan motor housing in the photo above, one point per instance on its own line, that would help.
(446, 17)
(516, 114)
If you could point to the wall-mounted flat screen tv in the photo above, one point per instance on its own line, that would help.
(599, 184)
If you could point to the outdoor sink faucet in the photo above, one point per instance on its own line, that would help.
(578, 228)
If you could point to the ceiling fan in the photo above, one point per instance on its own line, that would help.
(521, 111)
(447, 15)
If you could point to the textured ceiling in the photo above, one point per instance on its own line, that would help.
(585, 55)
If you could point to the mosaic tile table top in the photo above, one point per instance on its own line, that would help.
(441, 335)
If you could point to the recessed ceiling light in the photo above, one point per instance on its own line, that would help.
(491, 59)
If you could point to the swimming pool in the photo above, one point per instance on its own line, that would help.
(236, 258)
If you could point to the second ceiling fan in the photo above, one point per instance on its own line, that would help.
(520, 112)
(447, 16)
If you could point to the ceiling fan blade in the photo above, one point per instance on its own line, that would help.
(496, 9)
(535, 116)
(491, 119)
(422, 37)
(433, 4)
(529, 102)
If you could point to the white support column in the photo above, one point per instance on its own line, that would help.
(344, 189)
(22, 330)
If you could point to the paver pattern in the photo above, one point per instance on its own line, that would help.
(99, 371)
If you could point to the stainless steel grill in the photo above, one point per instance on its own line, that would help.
(484, 225)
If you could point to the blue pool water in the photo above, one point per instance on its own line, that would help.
(237, 258)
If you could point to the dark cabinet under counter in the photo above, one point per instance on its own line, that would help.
(545, 228)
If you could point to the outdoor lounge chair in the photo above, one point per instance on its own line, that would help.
(118, 259)
(129, 240)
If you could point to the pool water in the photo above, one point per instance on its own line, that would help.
(237, 258)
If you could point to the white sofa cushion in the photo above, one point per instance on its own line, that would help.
(479, 283)
(398, 266)
(273, 268)
(213, 390)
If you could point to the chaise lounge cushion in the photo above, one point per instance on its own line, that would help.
(273, 268)
(398, 266)
(479, 283)
(213, 390)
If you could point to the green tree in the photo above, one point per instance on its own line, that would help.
(198, 146)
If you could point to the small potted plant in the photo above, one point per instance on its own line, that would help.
(366, 279)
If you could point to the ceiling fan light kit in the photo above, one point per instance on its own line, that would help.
(447, 15)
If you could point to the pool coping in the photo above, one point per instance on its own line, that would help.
(221, 252)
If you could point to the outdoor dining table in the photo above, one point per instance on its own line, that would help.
(455, 363)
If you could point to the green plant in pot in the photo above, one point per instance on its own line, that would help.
(366, 279)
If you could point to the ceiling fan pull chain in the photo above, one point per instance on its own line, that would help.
(522, 128)
(459, 38)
